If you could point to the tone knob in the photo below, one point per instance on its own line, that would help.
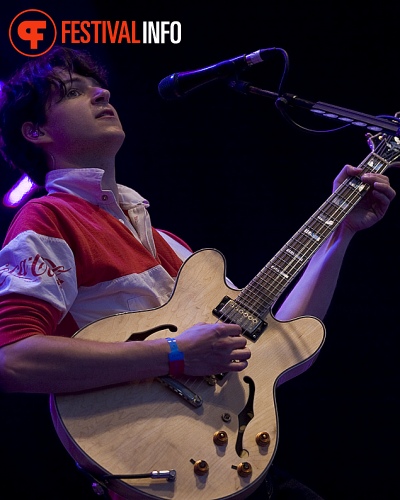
(263, 439)
(220, 438)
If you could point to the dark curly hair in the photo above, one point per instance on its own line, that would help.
(24, 97)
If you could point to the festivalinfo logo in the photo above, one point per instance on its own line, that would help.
(33, 32)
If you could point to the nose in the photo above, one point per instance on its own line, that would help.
(100, 95)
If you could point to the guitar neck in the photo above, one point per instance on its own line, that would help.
(267, 286)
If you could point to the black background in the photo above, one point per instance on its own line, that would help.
(225, 170)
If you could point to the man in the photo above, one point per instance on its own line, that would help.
(88, 250)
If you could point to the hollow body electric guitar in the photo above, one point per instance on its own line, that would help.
(206, 437)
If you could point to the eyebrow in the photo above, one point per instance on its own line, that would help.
(79, 79)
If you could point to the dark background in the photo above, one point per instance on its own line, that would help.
(225, 170)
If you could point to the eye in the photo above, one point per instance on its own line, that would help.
(72, 93)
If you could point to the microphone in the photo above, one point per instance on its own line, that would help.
(179, 84)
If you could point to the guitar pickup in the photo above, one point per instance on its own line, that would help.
(230, 311)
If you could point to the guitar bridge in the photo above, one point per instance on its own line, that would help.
(182, 391)
(229, 311)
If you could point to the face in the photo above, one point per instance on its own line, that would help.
(82, 126)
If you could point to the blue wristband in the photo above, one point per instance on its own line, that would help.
(175, 358)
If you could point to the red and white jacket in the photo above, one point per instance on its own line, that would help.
(78, 254)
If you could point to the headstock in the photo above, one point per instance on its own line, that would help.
(384, 145)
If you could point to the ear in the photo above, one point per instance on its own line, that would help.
(33, 133)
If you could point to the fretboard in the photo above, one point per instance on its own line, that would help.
(268, 285)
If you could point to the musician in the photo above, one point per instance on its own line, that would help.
(87, 248)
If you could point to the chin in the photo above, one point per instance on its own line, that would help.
(112, 138)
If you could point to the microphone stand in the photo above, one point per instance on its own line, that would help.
(324, 109)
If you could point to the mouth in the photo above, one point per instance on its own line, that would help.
(106, 112)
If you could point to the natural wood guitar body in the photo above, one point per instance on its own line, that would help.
(141, 427)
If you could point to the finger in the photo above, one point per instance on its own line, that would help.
(239, 342)
(371, 177)
(240, 354)
(380, 184)
(347, 170)
(382, 198)
(384, 189)
(237, 366)
(229, 329)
